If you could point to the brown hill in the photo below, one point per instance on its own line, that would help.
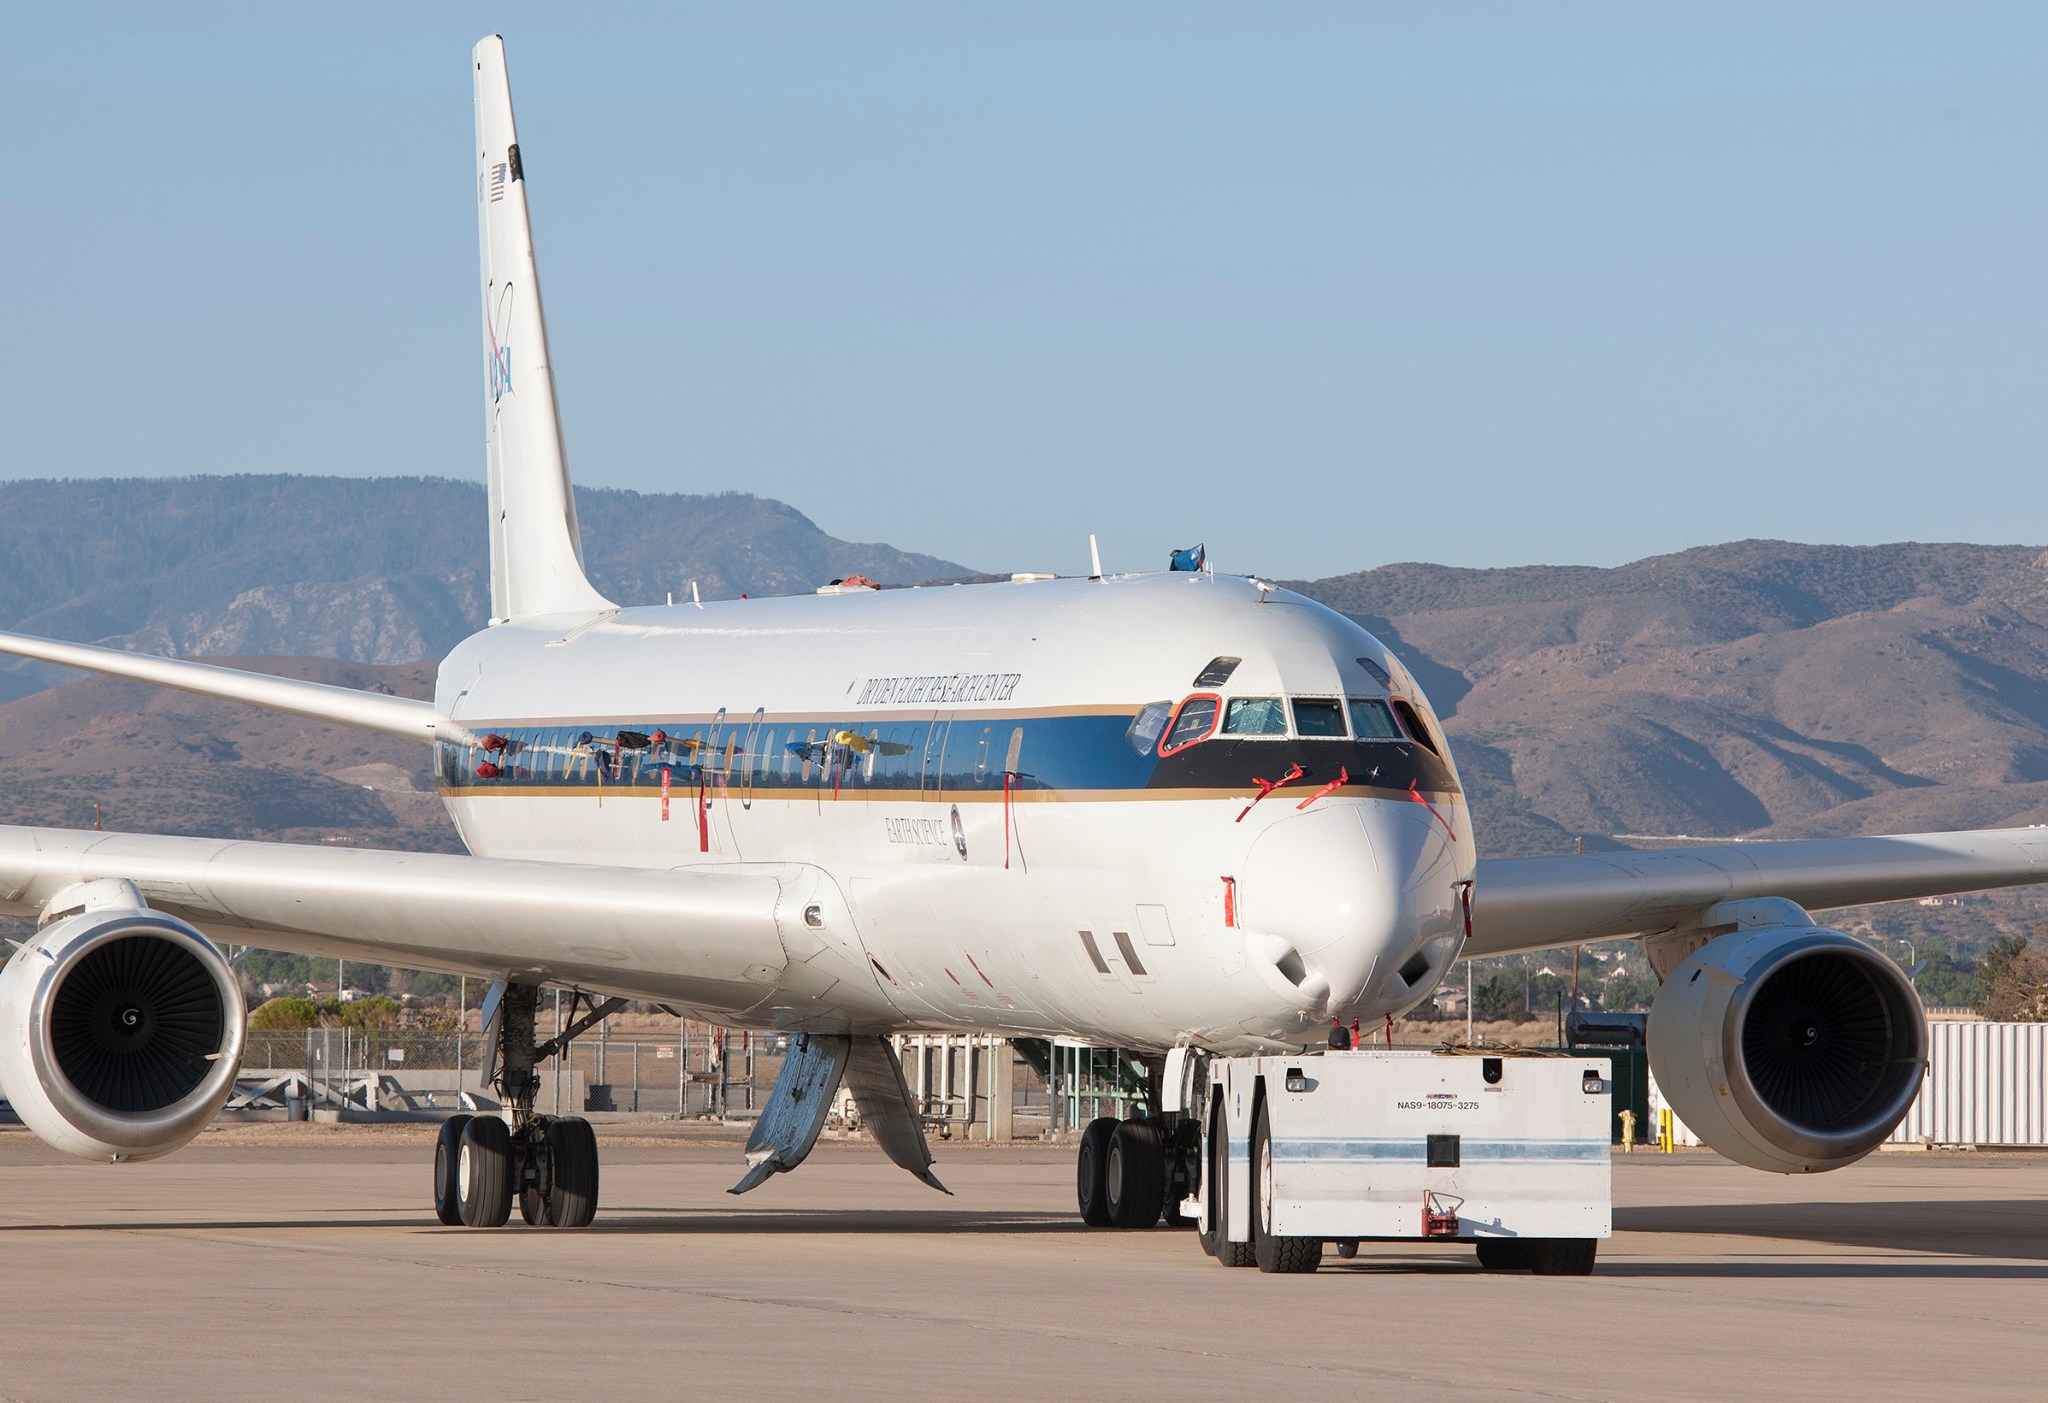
(1756, 689)
(164, 762)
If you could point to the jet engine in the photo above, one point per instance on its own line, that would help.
(1788, 1048)
(121, 1028)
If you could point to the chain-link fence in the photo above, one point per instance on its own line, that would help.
(697, 1070)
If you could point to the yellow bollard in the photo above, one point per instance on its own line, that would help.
(1665, 1140)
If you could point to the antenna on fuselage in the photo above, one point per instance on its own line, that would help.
(1094, 559)
(694, 598)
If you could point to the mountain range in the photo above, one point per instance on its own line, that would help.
(1755, 689)
(375, 570)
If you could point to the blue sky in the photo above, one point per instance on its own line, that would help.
(1326, 287)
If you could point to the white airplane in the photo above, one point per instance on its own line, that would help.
(1176, 813)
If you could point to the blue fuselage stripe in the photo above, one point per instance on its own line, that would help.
(1076, 753)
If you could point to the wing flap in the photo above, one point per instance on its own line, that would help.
(1536, 903)
(704, 939)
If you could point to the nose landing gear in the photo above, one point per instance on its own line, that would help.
(547, 1164)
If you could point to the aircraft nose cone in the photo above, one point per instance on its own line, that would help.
(1339, 902)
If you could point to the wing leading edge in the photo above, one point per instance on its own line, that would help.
(692, 939)
(1536, 903)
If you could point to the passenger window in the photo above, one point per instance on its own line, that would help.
(1413, 723)
(1321, 719)
(1146, 726)
(1370, 720)
(1254, 716)
(1196, 721)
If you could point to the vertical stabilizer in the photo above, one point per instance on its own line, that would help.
(536, 552)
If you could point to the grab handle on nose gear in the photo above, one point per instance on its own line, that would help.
(1267, 786)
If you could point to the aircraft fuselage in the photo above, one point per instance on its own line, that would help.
(995, 795)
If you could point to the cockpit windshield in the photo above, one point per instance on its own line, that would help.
(1254, 716)
(1196, 721)
(1371, 720)
(1318, 719)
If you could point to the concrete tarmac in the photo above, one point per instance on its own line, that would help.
(302, 1261)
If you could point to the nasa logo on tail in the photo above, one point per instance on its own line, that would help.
(499, 329)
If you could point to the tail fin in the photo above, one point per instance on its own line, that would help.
(536, 551)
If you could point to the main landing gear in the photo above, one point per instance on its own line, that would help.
(547, 1164)
(1135, 1173)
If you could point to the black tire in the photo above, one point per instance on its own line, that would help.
(533, 1209)
(1504, 1253)
(1089, 1163)
(1347, 1248)
(572, 1145)
(1274, 1253)
(447, 1160)
(1226, 1252)
(484, 1173)
(1564, 1256)
(1134, 1175)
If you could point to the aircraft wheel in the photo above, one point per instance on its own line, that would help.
(1089, 1166)
(1134, 1174)
(572, 1145)
(533, 1209)
(447, 1159)
(1273, 1253)
(484, 1173)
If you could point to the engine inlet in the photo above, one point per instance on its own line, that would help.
(134, 1022)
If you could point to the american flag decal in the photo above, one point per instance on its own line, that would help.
(497, 182)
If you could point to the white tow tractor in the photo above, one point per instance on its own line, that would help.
(1506, 1152)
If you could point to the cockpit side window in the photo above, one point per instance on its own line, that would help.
(1415, 727)
(1318, 719)
(1371, 720)
(1195, 722)
(1254, 716)
(1147, 725)
(1217, 672)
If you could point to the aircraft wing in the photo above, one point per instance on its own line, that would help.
(404, 717)
(706, 939)
(1535, 903)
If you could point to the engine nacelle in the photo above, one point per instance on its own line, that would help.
(1788, 1048)
(121, 1028)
